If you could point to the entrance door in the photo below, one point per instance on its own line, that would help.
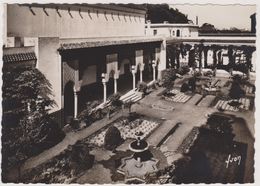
(68, 101)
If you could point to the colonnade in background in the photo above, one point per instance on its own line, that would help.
(112, 71)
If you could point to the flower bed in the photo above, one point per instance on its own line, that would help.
(63, 168)
(244, 104)
(127, 129)
(176, 96)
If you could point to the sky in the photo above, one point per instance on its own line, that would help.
(221, 16)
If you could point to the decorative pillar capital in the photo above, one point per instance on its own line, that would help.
(133, 69)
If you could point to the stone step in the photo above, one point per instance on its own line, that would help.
(194, 99)
(133, 96)
(127, 94)
(206, 101)
(136, 98)
(128, 97)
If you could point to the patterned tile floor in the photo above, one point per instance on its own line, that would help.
(179, 97)
(143, 125)
(222, 104)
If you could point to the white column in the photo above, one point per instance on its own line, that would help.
(162, 58)
(104, 91)
(115, 85)
(154, 65)
(133, 70)
(133, 80)
(75, 104)
(141, 76)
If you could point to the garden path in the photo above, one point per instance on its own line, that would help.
(70, 139)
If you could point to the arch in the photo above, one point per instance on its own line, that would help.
(173, 33)
(178, 33)
(125, 66)
(111, 74)
(68, 100)
(138, 67)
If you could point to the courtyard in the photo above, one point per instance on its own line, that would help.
(127, 94)
(174, 130)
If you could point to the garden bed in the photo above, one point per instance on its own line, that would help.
(175, 95)
(128, 126)
(64, 168)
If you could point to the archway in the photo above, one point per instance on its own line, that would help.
(138, 72)
(68, 101)
(125, 77)
(110, 83)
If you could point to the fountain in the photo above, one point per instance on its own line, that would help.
(209, 87)
(140, 163)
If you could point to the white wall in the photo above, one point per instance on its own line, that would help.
(49, 63)
(171, 30)
(22, 23)
(89, 75)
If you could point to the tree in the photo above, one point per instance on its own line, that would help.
(192, 62)
(184, 87)
(248, 51)
(27, 98)
(215, 49)
(158, 13)
(207, 28)
(192, 83)
(231, 58)
(236, 92)
(198, 54)
(205, 52)
(168, 78)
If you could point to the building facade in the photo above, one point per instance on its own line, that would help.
(172, 30)
(87, 52)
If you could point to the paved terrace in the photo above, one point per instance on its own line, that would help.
(187, 113)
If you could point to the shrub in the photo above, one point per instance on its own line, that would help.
(80, 157)
(197, 74)
(208, 73)
(192, 83)
(142, 87)
(169, 78)
(236, 92)
(112, 138)
(88, 109)
(128, 105)
(237, 78)
(184, 87)
(183, 70)
(115, 100)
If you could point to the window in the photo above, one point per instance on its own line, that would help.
(173, 33)
(154, 32)
(178, 33)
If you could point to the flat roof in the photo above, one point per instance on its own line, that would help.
(68, 44)
(128, 8)
(154, 25)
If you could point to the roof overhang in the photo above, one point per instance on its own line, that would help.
(69, 44)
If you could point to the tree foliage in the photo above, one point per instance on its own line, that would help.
(158, 13)
(207, 28)
(27, 127)
(236, 92)
(168, 78)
